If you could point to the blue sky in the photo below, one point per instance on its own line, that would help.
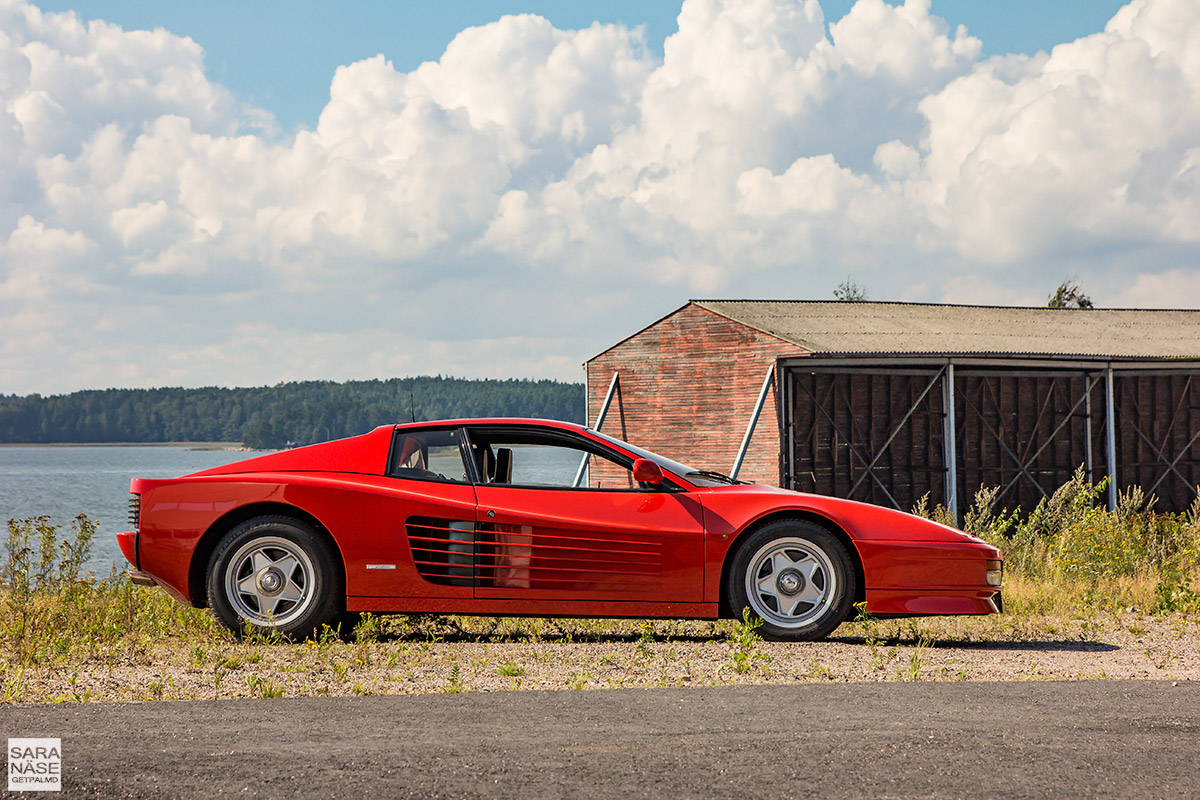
(255, 192)
(280, 54)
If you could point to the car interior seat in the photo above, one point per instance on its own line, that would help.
(504, 465)
(485, 462)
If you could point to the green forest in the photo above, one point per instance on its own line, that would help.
(272, 416)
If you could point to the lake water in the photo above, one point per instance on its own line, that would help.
(61, 482)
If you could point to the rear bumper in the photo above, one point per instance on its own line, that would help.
(128, 543)
(139, 578)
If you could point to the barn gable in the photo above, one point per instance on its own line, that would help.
(687, 385)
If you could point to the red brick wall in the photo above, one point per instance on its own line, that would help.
(687, 389)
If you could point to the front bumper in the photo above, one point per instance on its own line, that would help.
(921, 602)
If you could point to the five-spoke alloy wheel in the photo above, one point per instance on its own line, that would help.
(794, 575)
(274, 573)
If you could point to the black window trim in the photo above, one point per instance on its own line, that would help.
(463, 454)
(671, 482)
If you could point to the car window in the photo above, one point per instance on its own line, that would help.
(428, 455)
(523, 458)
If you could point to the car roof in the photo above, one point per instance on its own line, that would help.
(507, 421)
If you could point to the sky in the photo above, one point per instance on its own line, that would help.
(247, 193)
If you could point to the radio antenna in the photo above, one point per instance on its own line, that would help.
(412, 406)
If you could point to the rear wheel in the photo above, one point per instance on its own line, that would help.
(277, 574)
(796, 576)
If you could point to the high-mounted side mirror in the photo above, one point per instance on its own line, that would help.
(646, 471)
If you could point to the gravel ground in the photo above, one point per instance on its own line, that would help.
(587, 654)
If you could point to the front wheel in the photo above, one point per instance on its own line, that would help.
(274, 573)
(796, 576)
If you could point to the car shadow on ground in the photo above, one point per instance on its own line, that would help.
(1028, 645)
(452, 636)
(438, 628)
(422, 627)
(448, 631)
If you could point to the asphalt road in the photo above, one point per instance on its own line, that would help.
(1028, 739)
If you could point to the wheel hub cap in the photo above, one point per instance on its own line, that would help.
(270, 581)
(790, 582)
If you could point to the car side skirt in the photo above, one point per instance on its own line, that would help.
(539, 608)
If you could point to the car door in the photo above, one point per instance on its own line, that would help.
(431, 506)
(543, 534)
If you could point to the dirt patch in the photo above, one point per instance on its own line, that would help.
(465, 654)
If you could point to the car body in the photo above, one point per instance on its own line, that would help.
(533, 517)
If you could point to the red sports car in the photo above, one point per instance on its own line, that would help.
(532, 517)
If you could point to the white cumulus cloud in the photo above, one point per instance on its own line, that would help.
(537, 194)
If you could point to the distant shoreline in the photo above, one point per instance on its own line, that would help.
(193, 445)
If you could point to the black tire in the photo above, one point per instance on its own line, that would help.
(794, 575)
(277, 574)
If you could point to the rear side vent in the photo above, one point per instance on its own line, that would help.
(443, 550)
(135, 511)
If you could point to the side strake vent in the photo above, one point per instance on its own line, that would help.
(520, 557)
(135, 511)
(443, 550)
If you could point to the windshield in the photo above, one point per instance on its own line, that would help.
(694, 476)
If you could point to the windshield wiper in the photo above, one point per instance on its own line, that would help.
(716, 476)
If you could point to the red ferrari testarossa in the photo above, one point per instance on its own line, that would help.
(533, 517)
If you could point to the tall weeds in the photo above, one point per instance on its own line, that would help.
(52, 613)
(1071, 550)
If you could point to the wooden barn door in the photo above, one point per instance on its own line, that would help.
(1158, 435)
(867, 434)
(877, 433)
(1027, 432)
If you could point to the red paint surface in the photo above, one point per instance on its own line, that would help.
(590, 545)
(636, 552)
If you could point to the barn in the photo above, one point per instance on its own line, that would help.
(889, 402)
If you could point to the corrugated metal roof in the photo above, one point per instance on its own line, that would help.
(846, 328)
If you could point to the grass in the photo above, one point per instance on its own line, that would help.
(510, 670)
(50, 614)
(743, 635)
(1073, 572)
(1070, 554)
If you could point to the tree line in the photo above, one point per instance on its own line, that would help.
(273, 416)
